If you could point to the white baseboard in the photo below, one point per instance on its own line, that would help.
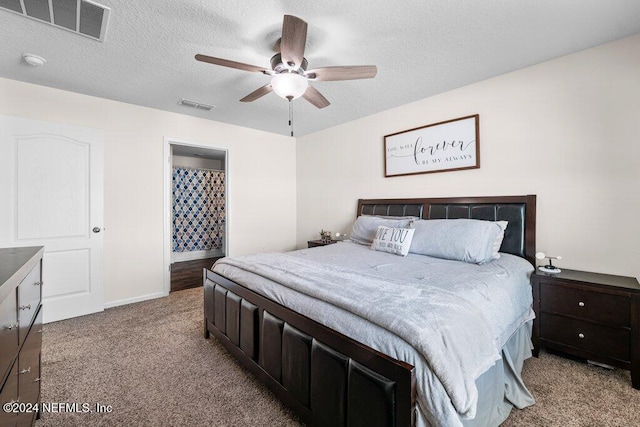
(134, 299)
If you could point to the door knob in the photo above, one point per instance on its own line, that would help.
(96, 229)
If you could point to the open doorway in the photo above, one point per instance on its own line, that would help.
(196, 194)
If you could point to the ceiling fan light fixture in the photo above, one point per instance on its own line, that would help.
(289, 85)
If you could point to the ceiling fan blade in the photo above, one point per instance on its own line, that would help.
(294, 39)
(314, 97)
(348, 72)
(231, 64)
(258, 93)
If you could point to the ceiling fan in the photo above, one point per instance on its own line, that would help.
(289, 75)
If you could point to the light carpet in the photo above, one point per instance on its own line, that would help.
(150, 362)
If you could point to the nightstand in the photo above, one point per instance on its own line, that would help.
(314, 243)
(589, 315)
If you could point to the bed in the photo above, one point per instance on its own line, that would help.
(302, 324)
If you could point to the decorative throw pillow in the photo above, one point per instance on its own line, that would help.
(364, 229)
(468, 240)
(393, 240)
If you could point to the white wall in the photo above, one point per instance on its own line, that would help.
(262, 198)
(566, 130)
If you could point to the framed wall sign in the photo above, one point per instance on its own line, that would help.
(446, 146)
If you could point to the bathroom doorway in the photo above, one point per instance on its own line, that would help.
(196, 203)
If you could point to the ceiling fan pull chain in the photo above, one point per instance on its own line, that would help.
(291, 115)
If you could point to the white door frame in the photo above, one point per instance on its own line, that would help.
(168, 174)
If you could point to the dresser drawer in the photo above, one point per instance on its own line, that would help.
(9, 393)
(29, 369)
(599, 307)
(8, 332)
(28, 300)
(597, 339)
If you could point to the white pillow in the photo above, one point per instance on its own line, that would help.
(365, 226)
(393, 240)
(468, 240)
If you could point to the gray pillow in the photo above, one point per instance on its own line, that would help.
(469, 240)
(365, 227)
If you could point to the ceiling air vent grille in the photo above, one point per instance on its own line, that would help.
(80, 16)
(196, 105)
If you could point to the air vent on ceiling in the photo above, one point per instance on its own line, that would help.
(80, 16)
(196, 105)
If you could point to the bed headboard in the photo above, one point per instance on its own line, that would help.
(520, 211)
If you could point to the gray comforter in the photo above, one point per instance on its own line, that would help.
(449, 319)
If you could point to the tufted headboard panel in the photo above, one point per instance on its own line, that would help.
(519, 211)
(390, 209)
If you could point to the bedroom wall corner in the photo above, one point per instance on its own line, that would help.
(565, 130)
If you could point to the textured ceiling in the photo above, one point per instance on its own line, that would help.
(421, 48)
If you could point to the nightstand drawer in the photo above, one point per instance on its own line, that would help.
(596, 306)
(601, 340)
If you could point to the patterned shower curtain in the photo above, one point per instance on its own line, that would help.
(198, 209)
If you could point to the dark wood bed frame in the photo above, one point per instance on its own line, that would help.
(328, 378)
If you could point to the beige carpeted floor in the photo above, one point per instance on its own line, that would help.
(150, 362)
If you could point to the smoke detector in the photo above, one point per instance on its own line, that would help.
(34, 60)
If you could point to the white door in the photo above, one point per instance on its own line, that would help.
(51, 195)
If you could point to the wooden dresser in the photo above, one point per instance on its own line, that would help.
(20, 332)
(589, 315)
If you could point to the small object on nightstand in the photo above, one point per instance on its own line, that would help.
(325, 235)
(549, 268)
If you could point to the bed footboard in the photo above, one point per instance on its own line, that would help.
(324, 376)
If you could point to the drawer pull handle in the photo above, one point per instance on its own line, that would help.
(580, 336)
(581, 304)
(26, 371)
(25, 307)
